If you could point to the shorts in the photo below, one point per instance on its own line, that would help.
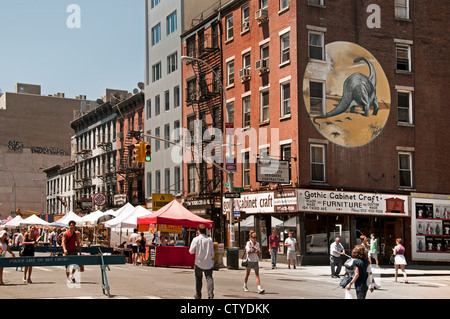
(252, 265)
(141, 249)
(373, 254)
(135, 249)
(291, 255)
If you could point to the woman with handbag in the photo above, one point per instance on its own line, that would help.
(253, 250)
(29, 242)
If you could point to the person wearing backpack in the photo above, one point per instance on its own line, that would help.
(70, 244)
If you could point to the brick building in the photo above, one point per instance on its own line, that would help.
(347, 87)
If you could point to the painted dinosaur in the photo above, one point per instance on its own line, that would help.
(359, 89)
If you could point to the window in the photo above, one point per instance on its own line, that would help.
(264, 4)
(286, 152)
(156, 34)
(318, 163)
(316, 2)
(155, 2)
(149, 184)
(315, 45)
(246, 111)
(285, 99)
(177, 133)
(285, 50)
(157, 105)
(176, 97)
(191, 128)
(316, 100)
(192, 178)
(190, 47)
(166, 135)
(149, 109)
(264, 111)
(167, 180)
(284, 4)
(167, 100)
(191, 95)
(405, 169)
(265, 52)
(245, 18)
(158, 182)
(246, 169)
(177, 184)
(172, 62)
(403, 58)
(229, 23)
(402, 9)
(230, 73)
(156, 72)
(157, 142)
(172, 23)
(404, 107)
(246, 63)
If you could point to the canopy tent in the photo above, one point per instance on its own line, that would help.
(15, 222)
(131, 221)
(64, 221)
(249, 222)
(174, 214)
(116, 222)
(125, 208)
(92, 218)
(34, 220)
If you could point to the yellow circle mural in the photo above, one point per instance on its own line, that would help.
(347, 96)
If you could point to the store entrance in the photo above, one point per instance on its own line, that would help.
(387, 230)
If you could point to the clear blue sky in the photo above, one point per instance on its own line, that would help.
(37, 46)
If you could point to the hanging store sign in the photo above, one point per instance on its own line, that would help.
(319, 201)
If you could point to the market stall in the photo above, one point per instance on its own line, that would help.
(179, 225)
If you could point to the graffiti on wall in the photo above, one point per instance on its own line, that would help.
(347, 96)
(14, 146)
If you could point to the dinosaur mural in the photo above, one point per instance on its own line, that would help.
(352, 77)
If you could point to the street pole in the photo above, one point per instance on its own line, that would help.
(14, 184)
(230, 174)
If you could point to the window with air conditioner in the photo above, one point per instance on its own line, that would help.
(245, 18)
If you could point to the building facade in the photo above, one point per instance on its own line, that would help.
(342, 99)
(60, 189)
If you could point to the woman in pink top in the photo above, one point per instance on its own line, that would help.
(400, 260)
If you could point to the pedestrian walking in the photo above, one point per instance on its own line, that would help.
(141, 247)
(373, 249)
(29, 242)
(18, 242)
(274, 243)
(134, 245)
(291, 244)
(70, 244)
(4, 247)
(336, 251)
(400, 260)
(203, 248)
(361, 276)
(253, 251)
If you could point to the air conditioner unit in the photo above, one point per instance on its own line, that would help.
(262, 65)
(262, 15)
(244, 74)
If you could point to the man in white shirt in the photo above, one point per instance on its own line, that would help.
(134, 244)
(291, 244)
(203, 248)
(336, 251)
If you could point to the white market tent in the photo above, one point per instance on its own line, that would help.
(122, 226)
(64, 221)
(249, 223)
(92, 218)
(127, 207)
(116, 222)
(15, 222)
(34, 220)
(131, 221)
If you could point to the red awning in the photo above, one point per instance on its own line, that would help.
(174, 214)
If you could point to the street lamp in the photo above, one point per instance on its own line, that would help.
(230, 174)
(14, 184)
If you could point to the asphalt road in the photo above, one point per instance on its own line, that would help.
(143, 282)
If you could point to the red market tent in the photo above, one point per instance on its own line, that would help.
(174, 214)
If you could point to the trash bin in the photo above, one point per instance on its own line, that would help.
(233, 258)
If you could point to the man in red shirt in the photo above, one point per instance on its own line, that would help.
(70, 244)
(274, 241)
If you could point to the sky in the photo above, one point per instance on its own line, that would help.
(48, 43)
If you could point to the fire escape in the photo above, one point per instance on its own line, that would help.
(131, 172)
(204, 94)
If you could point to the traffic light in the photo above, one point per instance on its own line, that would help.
(138, 152)
(147, 152)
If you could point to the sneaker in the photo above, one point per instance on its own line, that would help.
(295, 267)
(260, 290)
(245, 288)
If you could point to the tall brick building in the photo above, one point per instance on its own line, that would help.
(355, 92)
